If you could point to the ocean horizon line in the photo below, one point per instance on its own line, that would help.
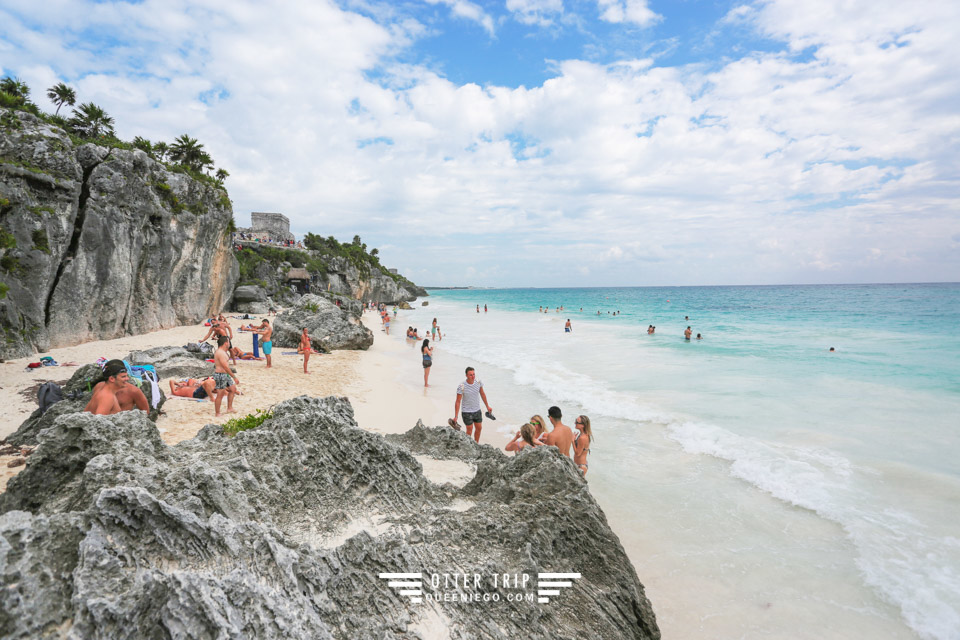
(688, 286)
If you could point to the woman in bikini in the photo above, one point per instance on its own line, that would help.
(427, 352)
(582, 439)
(524, 438)
(305, 349)
(539, 424)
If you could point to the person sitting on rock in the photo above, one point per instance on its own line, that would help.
(113, 392)
(194, 388)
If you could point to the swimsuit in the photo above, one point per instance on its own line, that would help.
(587, 451)
(427, 361)
(267, 347)
(199, 393)
(223, 380)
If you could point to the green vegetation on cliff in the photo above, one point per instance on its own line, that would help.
(89, 123)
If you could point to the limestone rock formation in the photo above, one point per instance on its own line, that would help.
(283, 531)
(98, 243)
(330, 327)
(344, 278)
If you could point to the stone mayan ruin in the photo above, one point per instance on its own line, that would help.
(268, 226)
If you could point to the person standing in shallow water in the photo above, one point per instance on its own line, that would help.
(562, 436)
(427, 352)
(686, 333)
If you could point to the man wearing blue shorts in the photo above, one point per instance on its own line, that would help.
(266, 340)
(469, 394)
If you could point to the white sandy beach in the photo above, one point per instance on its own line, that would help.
(372, 380)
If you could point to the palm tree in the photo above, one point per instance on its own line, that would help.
(90, 121)
(221, 175)
(189, 152)
(60, 94)
(16, 88)
(161, 149)
(143, 144)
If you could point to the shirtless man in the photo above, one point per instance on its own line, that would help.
(686, 333)
(194, 388)
(222, 375)
(113, 380)
(305, 349)
(266, 340)
(562, 436)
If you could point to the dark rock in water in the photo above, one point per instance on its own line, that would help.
(425, 303)
(282, 532)
(331, 327)
(404, 305)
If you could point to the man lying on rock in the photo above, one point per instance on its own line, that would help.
(194, 388)
(113, 393)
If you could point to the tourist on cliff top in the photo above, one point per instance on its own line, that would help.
(266, 340)
(305, 349)
(427, 352)
(222, 377)
(524, 438)
(469, 394)
(561, 436)
(113, 393)
(194, 388)
(582, 440)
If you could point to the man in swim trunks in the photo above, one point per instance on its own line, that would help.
(686, 333)
(469, 394)
(567, 328)
(222, 377)
(113, 380)
(266, 340)
(194, 388)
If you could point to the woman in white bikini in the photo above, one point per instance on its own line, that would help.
(581, 444)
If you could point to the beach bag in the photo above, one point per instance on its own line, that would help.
(48, 362)
(34, 365)
(207, 348)
(48, 395)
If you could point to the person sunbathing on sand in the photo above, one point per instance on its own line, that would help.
(524, 438)
(243, 355)
(113, 393)
(194, 388)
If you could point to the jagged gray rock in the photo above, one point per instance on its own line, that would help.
(108, 242)
(330, 327)
(109, 533)
(174, 362)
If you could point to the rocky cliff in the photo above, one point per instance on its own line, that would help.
(284, 532)
(99, 242)
(344, 278)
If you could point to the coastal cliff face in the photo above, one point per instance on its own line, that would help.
(344, 278)
(99, 243)
(284, 530)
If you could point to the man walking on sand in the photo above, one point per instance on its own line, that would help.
(562, 436)
(469, 394)
(222, 377)
(266, 340)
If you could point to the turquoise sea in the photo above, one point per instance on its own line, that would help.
(763, 486)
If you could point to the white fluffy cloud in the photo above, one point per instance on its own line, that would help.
(632, 11)
(539, 12)
(468, 11)
(839, 164)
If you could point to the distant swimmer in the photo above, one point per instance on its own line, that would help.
(650, 329)
(832, 350)
(687, 333)
(686, 318)
(478, 308)
(699, 337)
(567, 328)
(541, 309)
(484, 308)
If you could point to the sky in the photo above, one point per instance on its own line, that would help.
(549, 143)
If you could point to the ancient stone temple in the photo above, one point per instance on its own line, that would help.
(275, 226)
